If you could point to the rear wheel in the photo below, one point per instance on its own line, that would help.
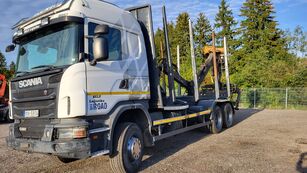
(129, 148)
(227, 115)
(216, 120)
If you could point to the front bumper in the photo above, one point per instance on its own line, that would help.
(77, 149)
(47, 144)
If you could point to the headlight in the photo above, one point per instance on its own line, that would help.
(72, 133)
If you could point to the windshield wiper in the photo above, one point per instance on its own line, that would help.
(44, 66)
(22, 72)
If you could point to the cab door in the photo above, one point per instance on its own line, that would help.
(104, 80)
(123, 76)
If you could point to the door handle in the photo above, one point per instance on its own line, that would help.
(124, 84)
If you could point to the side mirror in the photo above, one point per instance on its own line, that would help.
(100, 44)
(10, 48)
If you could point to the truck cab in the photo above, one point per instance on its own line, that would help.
(62, 96)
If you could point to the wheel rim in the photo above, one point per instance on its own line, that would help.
(218, 120)
(134, 148)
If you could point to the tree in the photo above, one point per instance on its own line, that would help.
(298, 42)
(171, 34)
(182, 37)
(225, 24)
(263, 59)
(12, 67)
(299, 77)
(159, 39)
(2, 64)
(3, 69)
(259, 29)
(202, 33)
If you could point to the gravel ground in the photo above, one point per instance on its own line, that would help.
(260, 141)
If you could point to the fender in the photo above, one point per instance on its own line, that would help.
(210, 104)
(218, 102)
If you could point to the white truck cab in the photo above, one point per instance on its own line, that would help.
(56, 81)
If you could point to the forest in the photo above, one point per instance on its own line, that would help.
(261, 54)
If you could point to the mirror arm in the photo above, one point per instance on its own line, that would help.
(83, 56)
(93, 62)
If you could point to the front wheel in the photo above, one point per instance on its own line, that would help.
(66, 160)
(129, 148)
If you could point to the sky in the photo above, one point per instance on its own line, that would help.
(289, 13)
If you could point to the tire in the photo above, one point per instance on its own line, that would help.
(8, 118)
(227, 115)
(5, 116)
(63, 160)
(216, 125)
(128, 138)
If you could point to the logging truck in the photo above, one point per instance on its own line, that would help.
(88, 84)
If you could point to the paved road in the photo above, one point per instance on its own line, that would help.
(260, 141)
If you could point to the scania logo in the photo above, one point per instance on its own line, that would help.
(30, 82)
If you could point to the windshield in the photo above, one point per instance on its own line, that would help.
(53, 47)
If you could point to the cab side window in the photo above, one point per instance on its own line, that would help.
(133, 45)
(114, 42)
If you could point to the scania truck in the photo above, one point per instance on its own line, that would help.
(88, 84)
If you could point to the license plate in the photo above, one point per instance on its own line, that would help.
(31, 113)
(24, 145)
